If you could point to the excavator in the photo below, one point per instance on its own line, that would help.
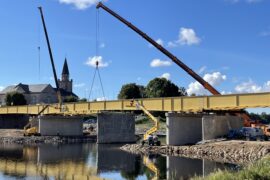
(247, 121)
(30, 130)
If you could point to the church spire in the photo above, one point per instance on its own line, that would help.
(65, 83)
(65, 70)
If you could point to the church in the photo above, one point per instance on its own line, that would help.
(42, 93)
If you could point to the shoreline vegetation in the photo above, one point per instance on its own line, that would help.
(258, 170)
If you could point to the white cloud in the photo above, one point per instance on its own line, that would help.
(225, 92)
(1, 88)
(159, 41)
(187, 36)
(171, 44)
(166, 76)
(80, 4)
(92, 61)
(267, 86)
(202, 69)
(101, 99)
(214, 79)
(159, 63)
(80, 85)
(251, 87)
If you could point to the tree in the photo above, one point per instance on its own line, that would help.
(161, 87)
(82, 100)
(15, 98)
(130, 91)
(71, 99)
(142, 91)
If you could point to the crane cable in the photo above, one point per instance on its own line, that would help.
(38, 48)
(39, 62)
(97, 58)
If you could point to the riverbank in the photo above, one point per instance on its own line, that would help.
(9, 136)
(235, 152)
(258, 170)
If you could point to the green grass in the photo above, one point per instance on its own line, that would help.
(257, 170)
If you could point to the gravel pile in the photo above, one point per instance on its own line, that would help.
(236, 152)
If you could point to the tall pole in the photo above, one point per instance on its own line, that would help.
(51, 57)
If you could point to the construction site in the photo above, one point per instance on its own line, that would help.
(182, 136)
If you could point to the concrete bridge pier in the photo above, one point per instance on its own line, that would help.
(115, 128)
(13, 121)
(60, 125)
(191, 128)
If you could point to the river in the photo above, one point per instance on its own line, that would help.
(92, 161)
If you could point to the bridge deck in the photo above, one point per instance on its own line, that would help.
(179, 104)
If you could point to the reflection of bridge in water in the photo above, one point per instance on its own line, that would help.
(59, 162)
(91, 161)
(63, 170)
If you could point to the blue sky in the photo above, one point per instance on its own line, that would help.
(225, 41)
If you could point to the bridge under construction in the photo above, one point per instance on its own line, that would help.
(233, 102)
(185, 115)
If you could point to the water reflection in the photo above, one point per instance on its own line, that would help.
(91, 161)
(185, 168)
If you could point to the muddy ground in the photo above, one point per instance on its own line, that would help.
(233, 151)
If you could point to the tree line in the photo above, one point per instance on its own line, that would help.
(157, 87)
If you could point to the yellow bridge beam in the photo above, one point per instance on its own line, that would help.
(179, 104)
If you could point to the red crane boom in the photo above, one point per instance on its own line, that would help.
(206, 85)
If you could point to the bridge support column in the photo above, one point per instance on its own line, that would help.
(115, 128)
(61, 125)
(214, 126)
(190, 129)
(183, 129)
(13, 121)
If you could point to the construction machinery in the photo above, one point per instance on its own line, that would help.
(31, 129)
(247, 121)
(149, 137)
(51, 58)
(265, 128)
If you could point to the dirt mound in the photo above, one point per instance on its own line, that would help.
(237, 152)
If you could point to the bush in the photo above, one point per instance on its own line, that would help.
(15, 98)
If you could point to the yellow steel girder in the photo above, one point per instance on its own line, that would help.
(180, 104)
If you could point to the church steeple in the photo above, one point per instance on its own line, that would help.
(65, 68)
(65, 83)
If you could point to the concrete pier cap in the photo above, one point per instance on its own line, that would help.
(184, 129)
